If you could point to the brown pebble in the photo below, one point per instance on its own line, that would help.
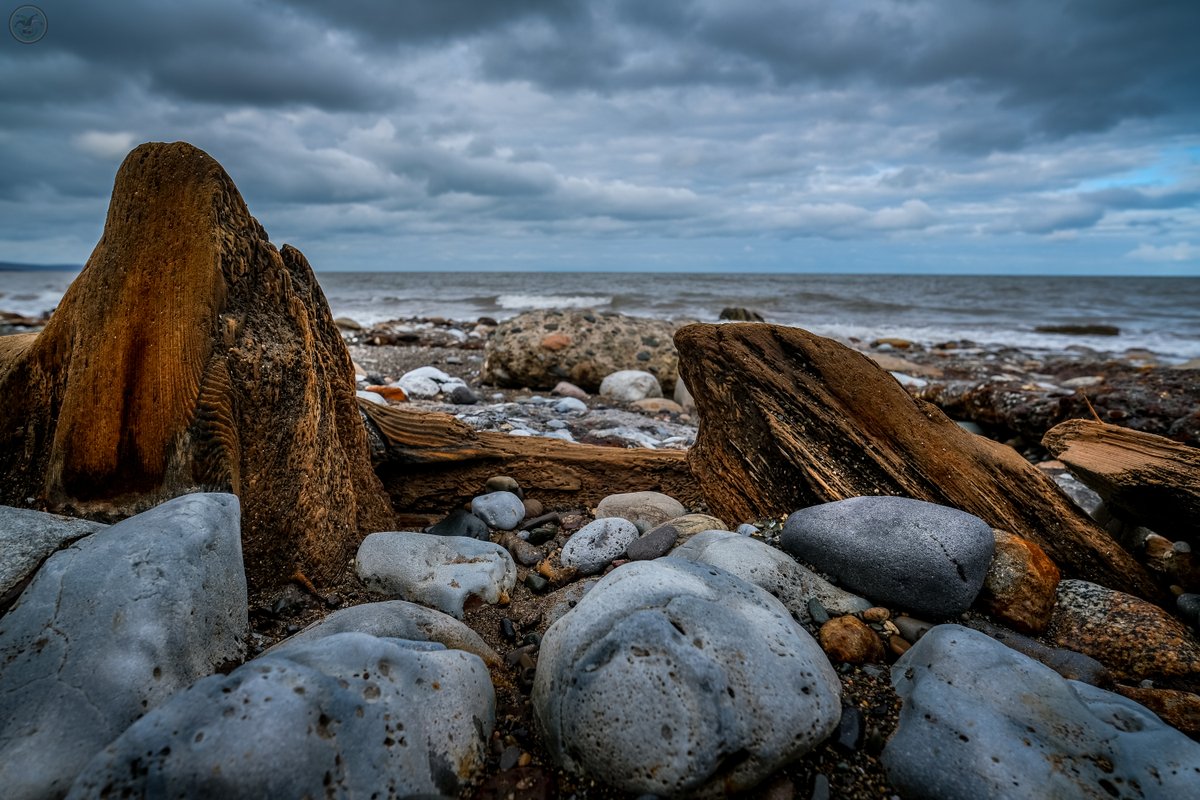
(876, 614)
(848, 639)
(898, 646)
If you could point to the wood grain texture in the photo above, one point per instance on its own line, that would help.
(434, 462)
(1144, 478)
(789, 419)
(188, 355)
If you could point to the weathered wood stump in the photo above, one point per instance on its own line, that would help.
(432, 462)
(1145, 478)
(789, 419)
(189, 355)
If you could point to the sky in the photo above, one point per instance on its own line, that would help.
(938, 136)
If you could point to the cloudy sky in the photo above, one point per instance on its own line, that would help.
(979, 136)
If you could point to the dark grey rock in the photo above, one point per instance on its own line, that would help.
(28, 537)
(981, 720)
(436, 571)
(594, 546)
(899, 552)
(461, 522)
(348, 715)
(397, 619)
(1189, 606)
(671, 677)
(653, 544)
(500, 510)
(462, 395)
(111, 627)
(758, 563)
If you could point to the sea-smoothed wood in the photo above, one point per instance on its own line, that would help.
(1145, 478)
(434, 462)
(192, 355)
(789, 419)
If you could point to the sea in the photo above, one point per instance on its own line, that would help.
(1161, 315)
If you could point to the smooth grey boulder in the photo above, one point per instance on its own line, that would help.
(982, 720)
(347, 715)
(111, 627)
(898, 552)
(500, 510)
(758, 563)
(630, 385)
(594, 546)
(672, 677)
(644, 509)
(397, 619)
(436, 571)
(27, 537)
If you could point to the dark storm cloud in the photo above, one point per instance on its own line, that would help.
(422, 21)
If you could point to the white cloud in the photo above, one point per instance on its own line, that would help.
(1181, 251)
(106, 145)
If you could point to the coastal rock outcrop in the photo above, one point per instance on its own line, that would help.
(711, 669)
(192, 354)
(113, 626)
(539, 349)
(790, 419)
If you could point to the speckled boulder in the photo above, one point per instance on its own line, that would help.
(397, 619)
(589, 347)
(594, 546)
(671, 677)
(899, 552)
(982, 720)
(348, 715)
(757, 562)
(112, 626)
(437, 571)
(1135, 639)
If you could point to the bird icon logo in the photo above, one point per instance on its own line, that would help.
(27, 24)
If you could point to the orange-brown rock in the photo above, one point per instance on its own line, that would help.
(556, 341)
(189, 355)
(1180, 710)
(392, 394)
(789, 419)
(850, 639)
(657, 405)
(1135, 639)
(1020, 584)
(1144, 478)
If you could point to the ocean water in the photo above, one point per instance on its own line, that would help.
(1157, 314)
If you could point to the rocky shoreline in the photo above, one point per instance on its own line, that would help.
(794, 577)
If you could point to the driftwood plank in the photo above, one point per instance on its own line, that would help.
(789, 419)
(434, 462)
(1145, 478)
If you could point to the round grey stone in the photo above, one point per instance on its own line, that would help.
(500, 510)
(594, 546)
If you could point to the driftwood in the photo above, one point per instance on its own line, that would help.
(1148, 479)
(433, 462)
(789, 419)
(190, 355)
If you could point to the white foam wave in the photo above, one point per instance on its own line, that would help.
(539, 301)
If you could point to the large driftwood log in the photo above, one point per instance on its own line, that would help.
(433, 462)
(188, 355)
(789, 419)
(1145, 478)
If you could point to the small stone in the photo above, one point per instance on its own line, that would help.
(746, 529)
(876, 614)
(817, 611)
(657, 405)
(657, 542)
(570, 405)
(533, 508)
(462, 396)
(911, 628)
(897, 646)
(510, 757)
(542, 534)
(460, 522)
(565, 389)
(501, 510)
(647, 508)
(1020, 584)
(848, 639)
(507, 629)
(594, 546)
(1189, 606)
(503, 483)
(630, 385)
(849, 733)
(393, 394)
(536, 583)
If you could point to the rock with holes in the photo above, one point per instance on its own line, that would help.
(397, 619)
(672, 677)
(758, 563)
(437, 571)
(28, 537)
(347, 715)
(594, 546)
(899, 552)
(112, 626)
(982, 720)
